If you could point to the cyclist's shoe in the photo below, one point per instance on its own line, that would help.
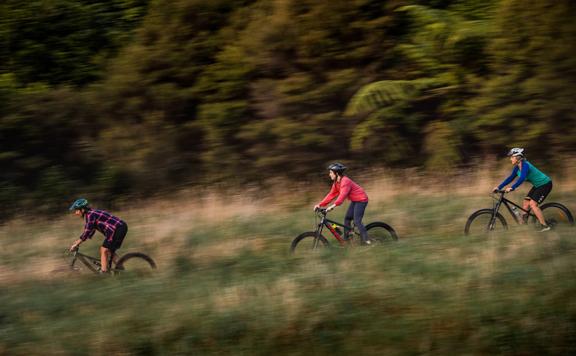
(545, 228)
(366, 243)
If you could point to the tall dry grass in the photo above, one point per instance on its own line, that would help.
(162, 226)
(227, 284)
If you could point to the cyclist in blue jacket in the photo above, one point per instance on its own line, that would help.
(525, 171)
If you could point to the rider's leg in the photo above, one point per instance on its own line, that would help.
(359, 209)
(525, 206)
(104, 258)
(348, 219)
(537, 212)
(117, 240)
(537, 196)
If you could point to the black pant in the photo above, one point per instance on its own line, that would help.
(540, 193)
(356, 212)
(113, 243)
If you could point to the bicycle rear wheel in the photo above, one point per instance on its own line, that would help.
(479, 223)
(379, 232)
(308, 242)
(135, 263)
(556, 215)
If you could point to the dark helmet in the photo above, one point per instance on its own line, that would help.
(516, 152)
(337, 168)
(79, 204)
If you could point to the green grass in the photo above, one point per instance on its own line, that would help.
(231, 287)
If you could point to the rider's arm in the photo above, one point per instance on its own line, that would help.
(89, 229)
(523, 174)
(509, 179)
(345, 187)
(330, 196)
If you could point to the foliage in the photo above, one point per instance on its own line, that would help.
(530, 92)
(63, 41)
(144, 96)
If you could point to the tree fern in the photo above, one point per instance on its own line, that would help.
(444, 23)
(387, 92)
(439, 35)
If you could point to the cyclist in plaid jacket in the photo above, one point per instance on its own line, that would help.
(113, 229)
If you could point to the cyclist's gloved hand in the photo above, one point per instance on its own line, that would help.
(330, 208)
(495, 190)
(508, 190)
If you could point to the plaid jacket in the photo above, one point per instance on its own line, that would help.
(102, 221)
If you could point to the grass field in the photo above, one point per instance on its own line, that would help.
(226, 283)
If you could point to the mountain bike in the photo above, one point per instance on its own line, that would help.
(378, 233)
(486, 220)
(130, 263)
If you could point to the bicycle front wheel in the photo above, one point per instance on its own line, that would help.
(556, 215)
(135, 263)
(307, 242)
(481, 223)
(380, 232)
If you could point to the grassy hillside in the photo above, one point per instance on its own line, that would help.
(227, 285)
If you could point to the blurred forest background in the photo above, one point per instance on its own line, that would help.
(130, 99)
(123, 98)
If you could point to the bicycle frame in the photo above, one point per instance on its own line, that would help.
(508, 204)
(325, 222)
(92, 263)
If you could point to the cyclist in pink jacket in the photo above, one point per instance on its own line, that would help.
(342, 188)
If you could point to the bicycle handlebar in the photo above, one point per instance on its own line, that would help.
(322, 211)
(73, 252)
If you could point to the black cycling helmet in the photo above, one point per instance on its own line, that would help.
(337, 168)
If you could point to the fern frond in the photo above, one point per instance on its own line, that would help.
(384, 93)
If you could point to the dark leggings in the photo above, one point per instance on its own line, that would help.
(356, 212)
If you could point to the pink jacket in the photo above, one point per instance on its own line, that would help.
(346, 188)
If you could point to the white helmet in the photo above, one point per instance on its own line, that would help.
(516, 152)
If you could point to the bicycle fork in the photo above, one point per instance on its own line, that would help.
(73, 263)
(317, 237)
(318, 234)
(494, 214)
